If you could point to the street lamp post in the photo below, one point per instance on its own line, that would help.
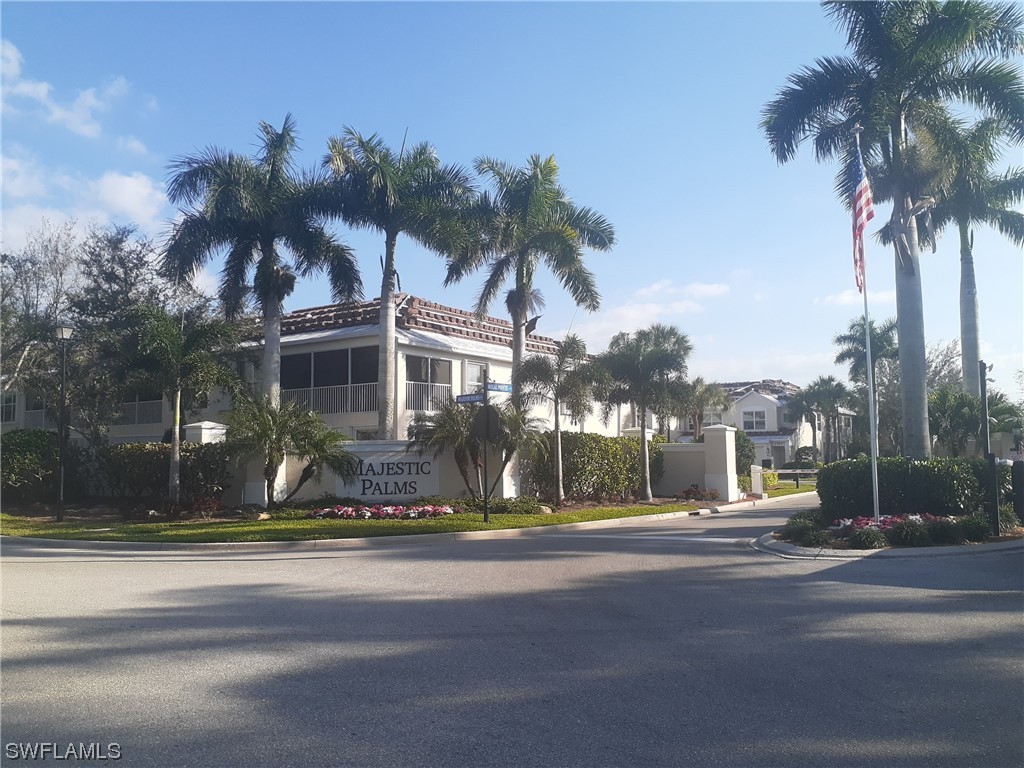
(63, 334)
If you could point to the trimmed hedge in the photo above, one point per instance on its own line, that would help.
(597, 467)
(938, 487)
(29, 462)
(139, 472)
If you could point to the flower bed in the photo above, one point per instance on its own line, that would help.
(380, 512)
(805, 528)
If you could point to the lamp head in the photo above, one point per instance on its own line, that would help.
(63, 331)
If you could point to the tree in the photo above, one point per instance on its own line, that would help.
(405, 193)
(256, 209)
(909, 61)
(564, 380)
(529, 220)
(852, 348)
(450, 428)
(701, 398)
(519, 433)
(260, 429)
(955, 418)
(973, 194)
(179, 355)
(633, 366)
(827, 394)
(803, 406)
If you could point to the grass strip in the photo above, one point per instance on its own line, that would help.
(299, 529)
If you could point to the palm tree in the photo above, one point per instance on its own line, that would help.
(563, 381)
(802, 406)
(955, 417)
(409, 192)
(827, 394)
(852, 348)
(180, 356)
(450, 428)
(257, 208)
(259, 428)
(972, 194)
(634, 365)
(529, 219)
(520, 433)
(704, 397)
(909, 61)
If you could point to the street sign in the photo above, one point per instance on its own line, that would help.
(495, 387)
(487, 423)
(476, 397)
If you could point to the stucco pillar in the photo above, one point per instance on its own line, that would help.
(720, 461)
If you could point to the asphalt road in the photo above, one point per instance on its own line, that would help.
(661, 643)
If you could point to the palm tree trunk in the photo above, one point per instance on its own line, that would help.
(970, 347)
(518, 346)
(645, 465)
(174, 484)
(270, 475)
(910, 327)
(386, 374)
(272, 351)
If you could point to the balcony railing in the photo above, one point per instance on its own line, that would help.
(141, 412)
(343, 398)
(420, 396)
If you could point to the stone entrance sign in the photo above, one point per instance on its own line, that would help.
(388, 472)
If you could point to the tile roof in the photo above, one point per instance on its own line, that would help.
(777, 388)
(413, 313)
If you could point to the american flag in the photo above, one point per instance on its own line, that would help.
(863, 212)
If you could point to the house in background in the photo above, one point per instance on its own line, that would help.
(761, 409)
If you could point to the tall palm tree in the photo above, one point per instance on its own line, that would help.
(179, 355)
(956, 417)
(973, 194)
(257, 209)
(529, 220)
(408, 192)
(563, 380)
(261, 429)
(802, 406)
(634, 365)
(852, 350)
(450, 428)
(909, 60)
(520, 433)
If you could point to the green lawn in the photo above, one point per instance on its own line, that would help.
(292, 529)
(787, 487)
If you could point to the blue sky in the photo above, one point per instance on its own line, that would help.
(650, 109)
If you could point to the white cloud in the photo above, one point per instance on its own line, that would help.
(131, 144)
(851, 297)
(628, 317)
(21, 175)
(135, 196)
(79, 116)
(667, 287)
(206, 281)
(20, 220)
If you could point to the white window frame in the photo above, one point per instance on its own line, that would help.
(9, 408)
(468, 382)
(752, 415)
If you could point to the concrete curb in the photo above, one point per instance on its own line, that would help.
(768, 545)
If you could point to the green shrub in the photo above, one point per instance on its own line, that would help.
(867, 538)
(944, 531)
(769, 480)
(204, 474)
(597, 467)
(937, 487)
(29, 465)
(744, 483)
(814, 515)
(799, 531)
(524, 505)
(1008, 519)
(819, 538)
(909, 533)
(975, 528)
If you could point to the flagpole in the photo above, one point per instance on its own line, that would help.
(872, 416)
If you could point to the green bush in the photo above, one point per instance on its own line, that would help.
(944, 531)
(813, 515)
(204, 474)
(867, 538)
(938, 487)
(975, 528)
(1008, 519)
(799, 531)
(744, 483)
(29, 465)
(819, 538)
(769, 480)
(909, 533)
(597, 467)
(524, 505)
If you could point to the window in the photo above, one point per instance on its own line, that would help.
(364, 365)
(476, 377)
(296, 371)
(8, 407)
(428, 370)
(332, 368)
(754, 421)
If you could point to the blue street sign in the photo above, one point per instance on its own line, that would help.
(494, 387)
(476, 397)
